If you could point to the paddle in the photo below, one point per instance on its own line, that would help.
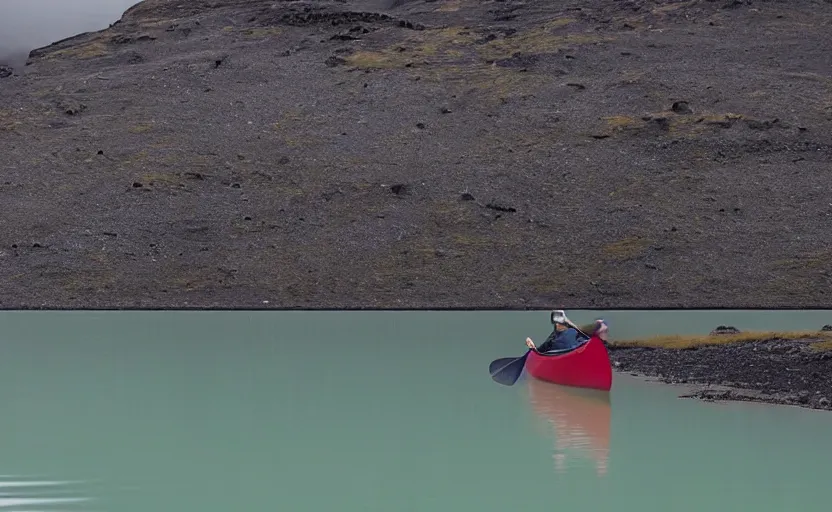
(507, 370)
(561, 315)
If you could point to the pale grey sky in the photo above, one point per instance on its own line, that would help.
(29, 24)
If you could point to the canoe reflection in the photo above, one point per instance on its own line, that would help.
(580, 417)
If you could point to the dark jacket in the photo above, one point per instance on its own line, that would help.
(569, 338)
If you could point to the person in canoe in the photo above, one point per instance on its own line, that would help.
(566, 337)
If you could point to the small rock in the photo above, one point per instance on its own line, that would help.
(5, 71)
(344, 37)
(136, 184)
(420, 126)
(334, 61)
(465, 196)
(725, 329)
(662, 123)
(827, 327)
(501, 207)
(72, 108)
(733, 4)
(681, 107)
(411, 25)
(135, 58)
(400, 189)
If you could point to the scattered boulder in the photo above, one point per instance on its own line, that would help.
(400, 189)
(71, 107)
(500, 207)
(5, 71)
(725, 329)
(681, 107)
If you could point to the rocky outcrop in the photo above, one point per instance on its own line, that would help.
(724, 329)
(774, 371)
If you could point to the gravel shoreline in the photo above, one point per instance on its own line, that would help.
(786, 372)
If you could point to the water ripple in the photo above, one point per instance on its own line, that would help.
(16, 491)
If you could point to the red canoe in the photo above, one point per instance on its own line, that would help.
(587, 366)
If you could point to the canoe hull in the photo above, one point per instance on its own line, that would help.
(588, 366)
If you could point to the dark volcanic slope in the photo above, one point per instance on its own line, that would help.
(448, 153)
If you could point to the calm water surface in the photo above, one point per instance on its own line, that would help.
(130, 411)
(29, 24)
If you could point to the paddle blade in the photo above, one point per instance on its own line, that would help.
(507, 370)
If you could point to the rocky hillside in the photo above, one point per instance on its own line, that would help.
(450, 153)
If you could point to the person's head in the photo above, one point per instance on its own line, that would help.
(560, 327)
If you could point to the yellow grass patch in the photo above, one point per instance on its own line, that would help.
(85, 51)
(623, 122)
(682, 342)
(141, 128)
(158, 178)
(559, 22)
(822, 346)
(672, 7)
(8, 120)
(474, 240)
(450, 6)
(684, 124)
(261, 32)
(89, 281)
(372, 60)
(455, 56)
(432, 46)
(626, 248)
(552, 282)
(448, 45)
(809, 261)
(535, 41)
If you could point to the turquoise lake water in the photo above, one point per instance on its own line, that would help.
(349, 411)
